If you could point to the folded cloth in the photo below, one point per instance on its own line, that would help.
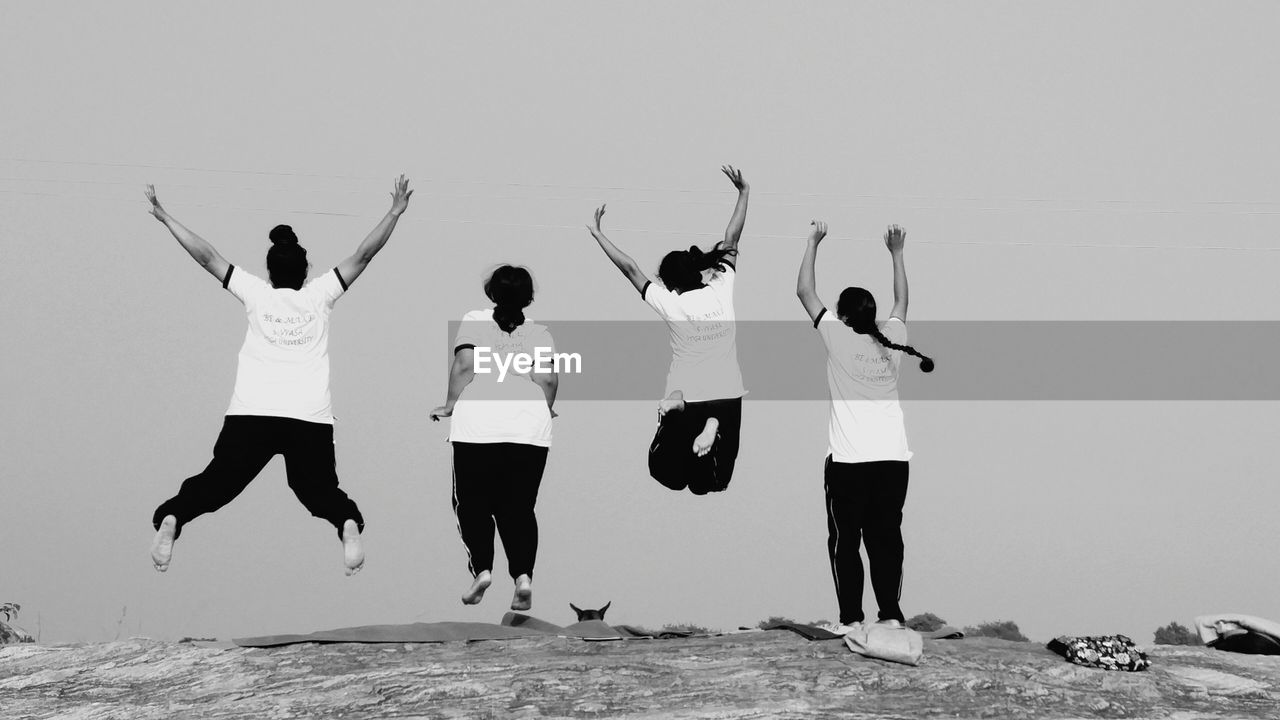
(411, 633)
(946, 632)
(586, 629)
(528, 622)
(901, 645)
(808, 632)
(1240, 633)
(592, 630)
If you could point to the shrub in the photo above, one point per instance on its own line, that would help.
(1003, 629)
(687, 627)
(8, 633)
(773, 620)
(925, 622)
(1175, 634)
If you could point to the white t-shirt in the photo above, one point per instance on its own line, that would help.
(704, 346)
(866, 422)
(495, 408)
(284, 363)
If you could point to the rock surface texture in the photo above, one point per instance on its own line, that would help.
(774, 674)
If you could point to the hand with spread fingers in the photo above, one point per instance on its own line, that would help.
(400, 196)
(735, 177)
(156, 209)
(895, 238)
(595, 230)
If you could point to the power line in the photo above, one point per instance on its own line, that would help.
(682, 233)
(622, 188)
(589, 201)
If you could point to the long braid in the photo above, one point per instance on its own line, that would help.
(926, 364)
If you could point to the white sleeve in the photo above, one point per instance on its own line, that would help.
(725, 280)
(659, 298)
(826, 324)
(329, 287)
(895, 329)
(244, 285)
(471, 331)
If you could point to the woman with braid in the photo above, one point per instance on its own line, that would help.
(866, 468)
(281, 403)
(696, 444)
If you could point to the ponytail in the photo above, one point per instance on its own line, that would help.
(508, 317)
(511, 290)
(681, 270)
(716, 259)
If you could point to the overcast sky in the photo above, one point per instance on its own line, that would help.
(1050, 161)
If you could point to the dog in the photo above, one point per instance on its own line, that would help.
(590, 614)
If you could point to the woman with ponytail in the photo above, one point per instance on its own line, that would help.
(500, 431)
(281, 403)
(696, 444)
(867, 456)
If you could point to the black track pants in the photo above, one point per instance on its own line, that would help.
(671, 458)
(496, 485)
(245, 445)
(864, 504)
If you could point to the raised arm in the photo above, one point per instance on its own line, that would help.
(806, 283)
(733, 232)
(619, 258)
(895, 238)
(461, 373)
(199, 248)
(351, 268)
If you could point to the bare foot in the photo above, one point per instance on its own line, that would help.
(476, 593)
(702, 444)
(352, 551)
(523, 599)
(674, 401)
(162, 545)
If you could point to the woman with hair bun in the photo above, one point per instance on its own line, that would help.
(700, 419)
(500, 405)
(865, 475)
(281, 402)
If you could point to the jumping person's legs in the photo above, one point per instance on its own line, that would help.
(885, 493)
(243, 448)
(521, 472)
(312, 471)
(714, 470)
(706, 438)
(845, 508)
(669, 453)
(729, 413)
(520, 468)
(671, 403)
(473, 484)
(311, 466)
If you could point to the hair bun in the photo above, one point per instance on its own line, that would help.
(926, 365)
(283, 235)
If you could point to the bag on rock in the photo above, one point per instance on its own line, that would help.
(1109, 652)
(901, 645)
